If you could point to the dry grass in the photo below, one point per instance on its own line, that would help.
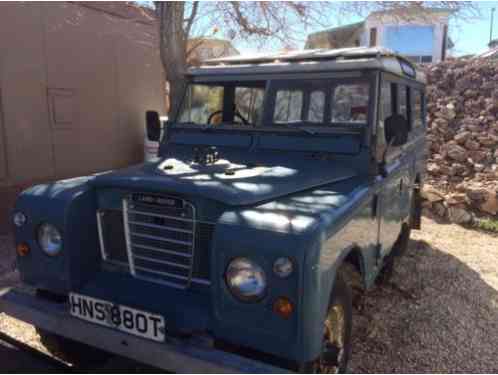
(438, 314)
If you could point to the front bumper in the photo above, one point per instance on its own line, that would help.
(177, 355)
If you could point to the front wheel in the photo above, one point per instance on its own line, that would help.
(336, 340)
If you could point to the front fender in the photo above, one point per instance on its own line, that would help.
(70, 206)
(352, 228)
(255, 325)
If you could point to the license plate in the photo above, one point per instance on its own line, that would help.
(123, 318)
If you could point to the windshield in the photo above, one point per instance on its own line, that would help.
(223, 103)
(298, 102)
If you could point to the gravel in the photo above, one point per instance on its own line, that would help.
(9, 277)
(439, 312)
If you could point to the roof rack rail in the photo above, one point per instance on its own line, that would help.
(304, 55)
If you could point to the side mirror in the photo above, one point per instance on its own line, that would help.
(396, 130)
(153, 125)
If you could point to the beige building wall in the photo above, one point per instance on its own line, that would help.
(75, 83)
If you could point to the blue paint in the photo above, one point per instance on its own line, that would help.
(313, 198)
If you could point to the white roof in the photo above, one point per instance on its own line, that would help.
(311, 60)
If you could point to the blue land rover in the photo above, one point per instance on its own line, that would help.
(228, 253)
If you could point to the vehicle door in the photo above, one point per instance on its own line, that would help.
(394, 179)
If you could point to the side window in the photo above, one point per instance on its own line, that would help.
(288, 106)
(386, 106)
(316, 107)
(386, 102)
(403, 101)
(350, 103)
(417, 109)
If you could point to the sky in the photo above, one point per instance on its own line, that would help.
(473, 36)
(470, 36)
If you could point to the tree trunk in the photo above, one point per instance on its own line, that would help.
(173, 45)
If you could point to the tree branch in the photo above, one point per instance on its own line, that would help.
(191, 19)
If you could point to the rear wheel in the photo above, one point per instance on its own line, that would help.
(336, 340)
(78, 354)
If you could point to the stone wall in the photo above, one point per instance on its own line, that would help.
(462, 106)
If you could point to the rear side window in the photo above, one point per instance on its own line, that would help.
(288, 106)
(350, 103)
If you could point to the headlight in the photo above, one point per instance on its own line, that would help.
(19, 219)
(246, 280)
(49, 239)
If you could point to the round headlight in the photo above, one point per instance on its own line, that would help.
(49, 239)
(19, 219)
(283, 267)
(246, 280)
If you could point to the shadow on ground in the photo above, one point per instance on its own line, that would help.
(436, 314)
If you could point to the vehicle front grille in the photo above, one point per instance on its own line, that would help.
(111, 236)
(160, 239)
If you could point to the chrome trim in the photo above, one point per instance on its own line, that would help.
(179, 277)
(101, 235)
(163, 216)
(157, 238)
(163, 250)
(201, 281)
(159, 227)
(129, 208)
(127, 237)
(194, 280)
(152, 260)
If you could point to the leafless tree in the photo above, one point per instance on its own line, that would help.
(279, 21)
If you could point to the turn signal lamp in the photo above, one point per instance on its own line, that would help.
(283, 307)
(22, 249)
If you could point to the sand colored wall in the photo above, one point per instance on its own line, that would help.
(75, 83)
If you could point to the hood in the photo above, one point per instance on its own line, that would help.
(244, 179)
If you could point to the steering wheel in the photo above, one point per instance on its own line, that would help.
(235, 113)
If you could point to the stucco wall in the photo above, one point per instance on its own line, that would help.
(74, 85)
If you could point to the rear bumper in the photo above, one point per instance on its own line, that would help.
(174, 355)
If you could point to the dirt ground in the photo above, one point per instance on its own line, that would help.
(439, 313)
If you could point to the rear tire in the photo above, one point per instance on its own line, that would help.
(80, 355)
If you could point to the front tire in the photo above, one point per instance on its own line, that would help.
(336, 341)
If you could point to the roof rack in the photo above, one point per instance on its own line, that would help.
(314, 60)
(304, 55)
